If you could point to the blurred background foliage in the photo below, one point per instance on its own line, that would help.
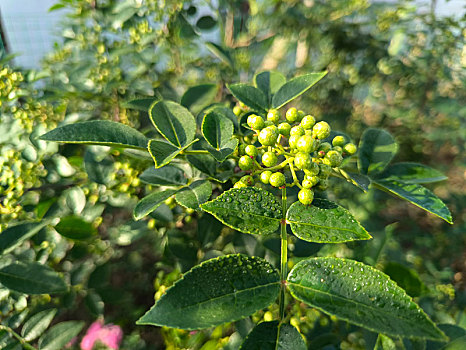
(390, 65)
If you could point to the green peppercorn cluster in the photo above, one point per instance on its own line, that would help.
(296, 143)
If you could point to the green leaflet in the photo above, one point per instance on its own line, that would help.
(217, 291)
(417, 195)
(269, 82)
(141, 104)
(294, 88)
(406, 278)
(376, 150)
(384, 343)
(75, 228)
(217, 130)
(176, 124)
(37, 324)
(98, 132)
(228, 148)
(274, 336)
(163, 152)
(358, 180)
(362, 295)
(169, 175)
(250, 96)
(13, 236)
(59, 335)
(32, 278)
(150, 202)
(198, 97)
(324, 222)
(195, 194)
(412, 173)
(208, 165)
(249, 210)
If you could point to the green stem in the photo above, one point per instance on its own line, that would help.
(18, 337)
(284, 256)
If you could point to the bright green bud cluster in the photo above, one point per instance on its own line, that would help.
(255, 122)
(273, 116)
(268, 136)
(321, 130)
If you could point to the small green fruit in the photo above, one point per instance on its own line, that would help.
(269, 159)
(291, 115)
(324, 170)
(255, 122)
(334, 158)
(239, 184)
(314, 180)
(338, 140)
(350, 148)
(237, 110)
(321, 130)
(268, 136)
(323, 149)
(247, 180)
(265, 176)
(322, 185)
(245, 163)
(251, 150)
(277, 179)
(338, 149)
(273, 116)
(301, 115)
(306, 144)
(303, 160)
(293, 141)
(312, 170)
(284, 129)
(308, 122)
(306, 196)
(297, 131)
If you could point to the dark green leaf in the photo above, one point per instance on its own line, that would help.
(151, 202)
(208, 229)
(376, 150)
(249, 210)
(163, 152)
(250, 96)
(169, 175)
(269, 83)
(208, 165)
(228, 148)
(217, 291)
(206, 23)
(324, 222)
(217, 130)
(221, 53)
(98, 132)
(74, 227)
(59, 335)
(13, 236)
(94, 303)
(405, 277)
(456, 334)
(198, 97)
(294, 88)
(274, 336)
(362, 295)
(358, 180)
(195, 194)
(412, 173)
(142, 104)
(384, 343)
(417, 195)
(174, 122)
(37, 324)
(31, 278)
(226, 112)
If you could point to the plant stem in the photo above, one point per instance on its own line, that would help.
(284, 256)
(18, 337)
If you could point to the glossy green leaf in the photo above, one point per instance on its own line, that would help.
(228, 148)
(31, 278)
(412, 173)
(269, 82)
(359, 180)
(376, 150)
(163, 152)
(169, 175)
(98, 132)
(206, 23)
(13, 236)
(150, 202)
(37, 324)
(208, 229)
(295, 87)
(384, 343)
(226, 112)
(274, 336)
(141, 104)
(249, 210)
(406, 278)
(59, 335)
(75, 228)
(250, 96)
(417, 195)
(198, 97)
(362, 295)
(194, 195)
(217, 291)
(324, 222)
(174, 122)
(217, 130)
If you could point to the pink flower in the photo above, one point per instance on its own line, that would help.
(109, 335)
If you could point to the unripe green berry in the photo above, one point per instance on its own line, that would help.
(323, 149)
(306, 184)
(265, 176)
(303, 160)
(269, 159)
(338, 140)
(277, 179)
(297, 131)
(305, 144)
(247, 179)
(273, 116)
(324, 170)
(268, 136)
(306, 196)
(350, 148)
(255, 122)
(301, 115)
(245, 163)
(322, 185)
(293, 141)
(239, 184)
(251, 150)
(321, 130)
(314, 180)
(291, 115)
(284, 129)
(308, 122)
(312, 170)
(242, 149)
(237, 110)
(338, 149)
(334, 157)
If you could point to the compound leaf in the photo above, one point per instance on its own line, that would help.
(217, 130)
(163, 152)
(324, 222)
(362, 295)
(249, 210)
(376, 150)
(274, 336)
(269, 82)
(98, 132)
(250, 96)
(217, 291)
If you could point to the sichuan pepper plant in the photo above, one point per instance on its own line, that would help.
(246, 166)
